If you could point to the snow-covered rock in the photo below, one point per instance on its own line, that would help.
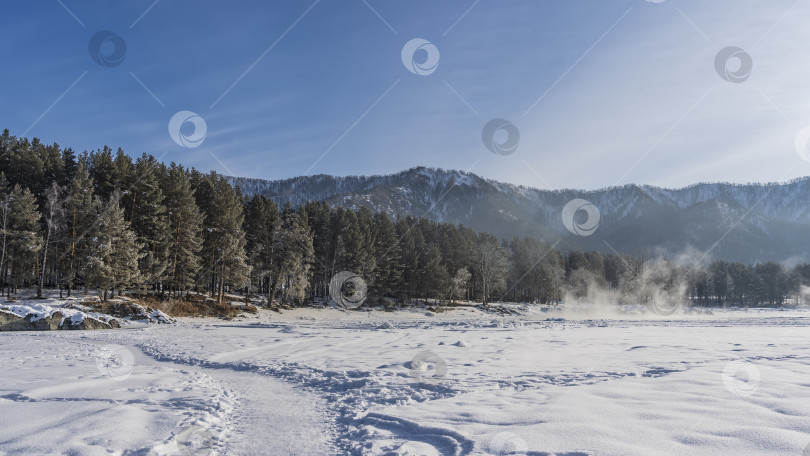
(40, 317)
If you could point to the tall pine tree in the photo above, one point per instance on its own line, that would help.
(185, 231)
(79, 221)
(261, 224)
(24, 235)
(224, 240)
(147, 214)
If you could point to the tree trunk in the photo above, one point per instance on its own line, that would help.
(221, 280)
(38, 276)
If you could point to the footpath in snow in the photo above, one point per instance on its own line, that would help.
(307, 381)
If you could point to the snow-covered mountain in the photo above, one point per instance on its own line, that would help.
(750, 222)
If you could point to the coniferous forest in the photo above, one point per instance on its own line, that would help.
(102, 221)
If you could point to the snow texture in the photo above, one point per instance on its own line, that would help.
(324, 381)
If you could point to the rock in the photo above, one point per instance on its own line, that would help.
(7, 320)
(12, 322)
(85, 323)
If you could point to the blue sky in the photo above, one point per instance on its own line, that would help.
(602, 92)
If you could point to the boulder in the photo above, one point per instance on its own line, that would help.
(12, 322)
(88, 323)
(8, 318)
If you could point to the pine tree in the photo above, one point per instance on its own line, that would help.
(80, 219)
(412, 248)
(69, 167)
(114, 251)
(102, 169)
(319, 219)
(6, 144)
(147, 214)
(185, 228)
(5, 223)
(32, 164)
(261, 225)
(388, 280)
(224, 241)
(434, 275)
(293, 257)
(24, 236)
(358, 238)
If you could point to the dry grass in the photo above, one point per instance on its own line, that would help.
(194, 305)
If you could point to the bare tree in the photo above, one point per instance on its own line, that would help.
(492, 265)
(52, 213)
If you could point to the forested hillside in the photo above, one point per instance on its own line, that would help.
(100, 220)
(758, 222)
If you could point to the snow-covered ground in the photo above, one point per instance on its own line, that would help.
(319, 382)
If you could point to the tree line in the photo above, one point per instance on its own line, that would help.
(103, 221)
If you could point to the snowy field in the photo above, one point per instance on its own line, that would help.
(329, 382)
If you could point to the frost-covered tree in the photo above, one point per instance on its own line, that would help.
(52, 217)
(293, 257)
(112, 262)
(458, 284)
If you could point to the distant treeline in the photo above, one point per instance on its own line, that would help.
(99, 220)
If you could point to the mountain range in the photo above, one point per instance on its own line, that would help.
(735, 222)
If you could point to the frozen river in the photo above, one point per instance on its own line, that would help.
(327, 382)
